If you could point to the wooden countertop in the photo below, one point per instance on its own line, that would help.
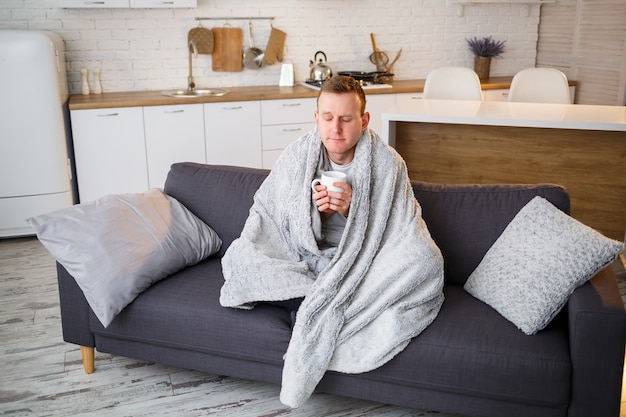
(155, 98)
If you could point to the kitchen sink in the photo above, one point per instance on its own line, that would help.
(200, 92)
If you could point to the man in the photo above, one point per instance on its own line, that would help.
(362, 260)
(341, 120)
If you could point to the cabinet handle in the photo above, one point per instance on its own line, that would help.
(108, 115)
(94, 2)
(291, 104)
(293, 129)
(232, 108)
(174, 111)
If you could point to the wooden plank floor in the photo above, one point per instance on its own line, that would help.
(41, 375)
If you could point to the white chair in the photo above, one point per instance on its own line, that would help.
(452, 83)
(540, 85)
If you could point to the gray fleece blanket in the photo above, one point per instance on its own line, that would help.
(365, 299)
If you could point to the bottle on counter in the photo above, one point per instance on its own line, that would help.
(97, 83)
(84, 82)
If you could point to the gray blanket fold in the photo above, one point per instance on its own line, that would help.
(365, 299)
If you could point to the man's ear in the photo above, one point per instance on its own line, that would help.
(365, 120)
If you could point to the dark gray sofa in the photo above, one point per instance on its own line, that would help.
(470, 361)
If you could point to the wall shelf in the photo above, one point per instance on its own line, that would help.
(460, 4)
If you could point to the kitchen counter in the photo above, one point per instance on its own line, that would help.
(494, 113)
(581, 147)
(155, 98)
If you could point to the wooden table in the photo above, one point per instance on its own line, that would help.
(579, 146)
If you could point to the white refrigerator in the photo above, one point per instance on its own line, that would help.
(35, 165)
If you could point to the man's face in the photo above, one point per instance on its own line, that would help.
(340, 124)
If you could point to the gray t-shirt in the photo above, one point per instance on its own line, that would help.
(332, 227)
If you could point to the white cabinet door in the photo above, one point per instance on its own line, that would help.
(95, 4)
(405, 100)
(162, 4)
(284, 121)
(376, 105)
(125, 4)
(289, 111)
(233, 133)
(174, 133)
(110, 151)
(500, 94)
(277, 137)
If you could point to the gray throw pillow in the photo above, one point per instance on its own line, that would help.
(119, 245)
(538, 261)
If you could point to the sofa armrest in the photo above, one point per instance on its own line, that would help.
(597, 334)
(74, 310)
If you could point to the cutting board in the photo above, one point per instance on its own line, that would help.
(227, 49)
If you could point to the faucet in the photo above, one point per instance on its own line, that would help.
(191, 85)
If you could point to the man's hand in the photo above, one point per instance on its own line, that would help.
(329, 202)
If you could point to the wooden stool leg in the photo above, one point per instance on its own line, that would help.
(88, 358)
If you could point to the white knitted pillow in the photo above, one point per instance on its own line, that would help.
(538, 261)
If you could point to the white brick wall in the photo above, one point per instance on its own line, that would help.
(145, 49)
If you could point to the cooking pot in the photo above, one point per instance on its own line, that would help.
(320, 71)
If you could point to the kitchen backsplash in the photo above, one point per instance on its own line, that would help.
(146, 49)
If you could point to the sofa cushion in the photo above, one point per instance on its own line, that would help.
(537, 263)
(221, 196)
(447, 208)
(119, 245)
(472, 350)
(469, 349)
(183, 311)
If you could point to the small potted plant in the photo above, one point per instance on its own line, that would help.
(484, 49)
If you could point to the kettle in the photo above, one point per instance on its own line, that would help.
(320, 71)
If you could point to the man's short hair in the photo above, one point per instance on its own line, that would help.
(340, 84)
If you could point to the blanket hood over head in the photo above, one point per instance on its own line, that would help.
(365, 299)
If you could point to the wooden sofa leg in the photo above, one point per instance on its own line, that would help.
(88, 358)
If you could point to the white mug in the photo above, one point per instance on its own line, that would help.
(328, 178)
